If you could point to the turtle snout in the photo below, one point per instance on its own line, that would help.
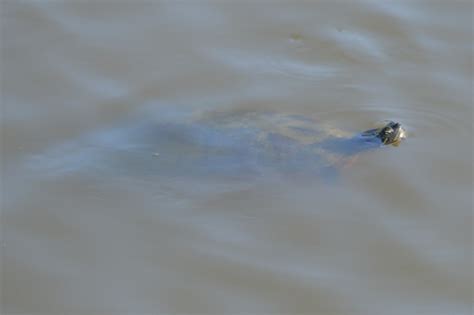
(401, 132)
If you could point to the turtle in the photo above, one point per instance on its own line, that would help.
(224, 144)
(251, 143)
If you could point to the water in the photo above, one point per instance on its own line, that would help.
(90, 227)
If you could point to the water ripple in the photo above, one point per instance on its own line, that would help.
(257, 64)
(418, 120)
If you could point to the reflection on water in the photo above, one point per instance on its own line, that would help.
(92, 221)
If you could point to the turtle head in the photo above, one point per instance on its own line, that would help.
(391, 133)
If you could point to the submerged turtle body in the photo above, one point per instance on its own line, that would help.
(245, 143)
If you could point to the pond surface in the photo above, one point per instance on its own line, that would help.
(91, 224)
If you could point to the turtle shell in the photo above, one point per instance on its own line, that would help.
(248, 142)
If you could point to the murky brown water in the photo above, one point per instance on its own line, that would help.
(86, 230)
